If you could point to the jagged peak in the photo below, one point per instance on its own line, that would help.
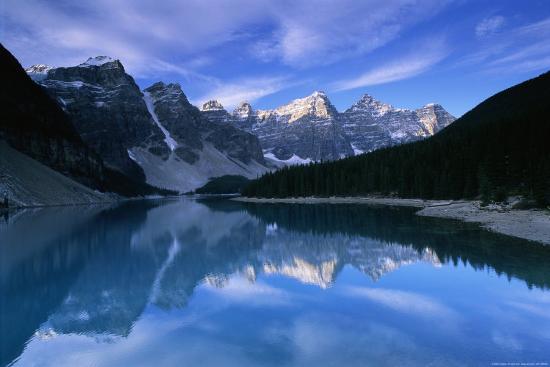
(212, 105)
(243, 110)
(99, 61)
(367, 99)
(244, 104)
(318, 93)
(315, 97)
(160, 91)
(38, 68)
(369, 104)
(38, 72)
(161, 86)
(316, 104)
(156, 86)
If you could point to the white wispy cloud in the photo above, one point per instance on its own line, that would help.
(335, 30)
(240, 290)
(400, 68)
(231, 93)
(300, 34)
(489, 25)
(131, 30)
(519, 49)
(403, 301)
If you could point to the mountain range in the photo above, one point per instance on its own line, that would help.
(154, 135)
(496, 150)
(45, 160)
(311, 129)
(93, 123)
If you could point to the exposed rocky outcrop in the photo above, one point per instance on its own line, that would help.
(311, 129)
(32, 123)
(305, 129)
(200, 148)
(371, 124)
(155, 136)
(108, 111)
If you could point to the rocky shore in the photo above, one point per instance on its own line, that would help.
(531, 224)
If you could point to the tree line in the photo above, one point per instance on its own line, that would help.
(498, 149)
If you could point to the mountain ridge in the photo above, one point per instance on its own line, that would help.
(498, 148)
(155, 135)
(366, 125)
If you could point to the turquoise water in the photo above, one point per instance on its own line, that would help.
(219, 283)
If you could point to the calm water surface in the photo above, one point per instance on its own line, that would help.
(219, 283)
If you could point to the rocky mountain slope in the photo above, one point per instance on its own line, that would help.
(156, 136)
(371, 124)
(311, 129)
(108, 111)
(27, 182)
(307, 129)
(34, 124)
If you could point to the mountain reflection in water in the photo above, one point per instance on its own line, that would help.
(102, 272)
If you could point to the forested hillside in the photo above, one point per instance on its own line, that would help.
(499, 148)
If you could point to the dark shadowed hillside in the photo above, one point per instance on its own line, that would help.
(34, 124)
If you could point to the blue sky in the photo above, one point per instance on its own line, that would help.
(404, 52)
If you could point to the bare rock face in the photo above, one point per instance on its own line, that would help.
(33, 123)
(371, 124)
(191, 130)
(213, 111)
(108, 111)
(156, 136)
(311, 129)
(306, 129)
(182, 121)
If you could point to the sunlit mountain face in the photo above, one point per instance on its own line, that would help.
(158, 282)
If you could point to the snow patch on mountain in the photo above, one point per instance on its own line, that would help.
(293, 160)
(315, 105)
(356, 151)
(38, 72)
(212, 105)
(172, 144)
(97, 61)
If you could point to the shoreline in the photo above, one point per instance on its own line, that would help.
(531, 224)
(115, 200)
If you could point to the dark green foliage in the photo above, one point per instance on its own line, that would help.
(117, 182)
(500, 148)
(228, 184)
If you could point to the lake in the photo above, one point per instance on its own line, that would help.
(220, 283)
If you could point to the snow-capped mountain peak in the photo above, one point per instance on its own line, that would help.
(171, 91)
(243, 110)
(38, 68)
(369, 104)
(319, 94)
(212, 105)
(98, 61)
(38, 72)
(316, 105)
